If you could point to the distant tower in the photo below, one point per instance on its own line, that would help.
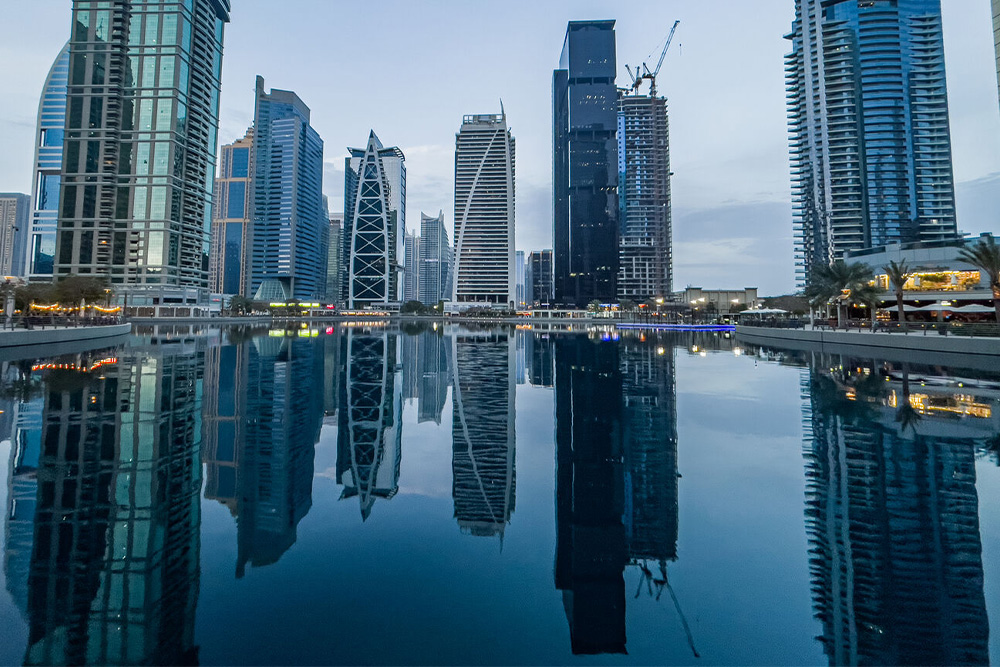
(868, 123)
(585, 165)
(41, 239)
(645, 252)
(374, 224)
(520, 276)
(14, 216)
(289, 231)
(436, 258)
(334, 263)
(411, 269)
(539, 281)
(231, 218)
(484, 211)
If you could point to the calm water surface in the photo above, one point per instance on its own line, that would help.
(368, 496)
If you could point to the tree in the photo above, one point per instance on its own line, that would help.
(870, 296)
(836, 282)
(986, 256)
(898, 275)
(25, 295)
(627, 305)
(412, 308)
(71, 290)
(239, 305)
(594, 306)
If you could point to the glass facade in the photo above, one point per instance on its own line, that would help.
(374, 224)
(585, 165)
(230, 219)
(290, 228)
(870, 137)
(140, 143)
(41, 241)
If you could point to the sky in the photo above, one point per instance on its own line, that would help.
(411, 70)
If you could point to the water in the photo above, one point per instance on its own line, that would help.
(367, 496)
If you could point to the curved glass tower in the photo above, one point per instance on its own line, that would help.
(868, 123)
(41, 246)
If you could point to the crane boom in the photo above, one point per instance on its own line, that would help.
(666, 46)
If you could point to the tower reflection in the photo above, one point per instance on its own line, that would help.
(114, 568)
(892, 515)
(263, 415)
(483, 393)
(370, 426)
(616, 478)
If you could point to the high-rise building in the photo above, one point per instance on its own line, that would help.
(436, 258)
(539, 278)
(645, 249)
(142, 116)
(374, 224)
(868, 123)
(483, 438)
(520, 276)
(585, 166)
(288, 236)
(484, 211)
(49, 134)
(334, 263)
(411, 267)
(231, 217)
(14, 216)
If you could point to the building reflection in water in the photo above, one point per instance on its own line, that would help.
(616, 478)
(426, 361)
(114, 569)
(483, 393)
(264, 412)
(893, 515)
(370, 424)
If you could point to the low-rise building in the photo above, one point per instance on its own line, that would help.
(719, 300)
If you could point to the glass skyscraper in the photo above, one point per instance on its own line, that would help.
(290, 229)
(868, 119)
(435, 260)
(13, 232)
(374, 224)
(41, 245)
(140, 145)
(585, 165)
(231, 218)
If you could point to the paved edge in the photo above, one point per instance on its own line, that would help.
(36, 337)
(919, 342)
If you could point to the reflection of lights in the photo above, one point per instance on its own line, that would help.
(694, 348)
(661, 350)
(703, 354)
(737, 351)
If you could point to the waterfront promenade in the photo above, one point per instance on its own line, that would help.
(54, 340)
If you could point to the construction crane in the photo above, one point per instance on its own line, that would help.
(644, 73)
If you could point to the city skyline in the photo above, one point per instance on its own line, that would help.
(745, 152)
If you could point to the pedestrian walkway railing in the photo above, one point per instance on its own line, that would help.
(26, 322)
(977, 329)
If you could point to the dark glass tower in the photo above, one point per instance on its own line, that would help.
(142, 115)
(585, 165)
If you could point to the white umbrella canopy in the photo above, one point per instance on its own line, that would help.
(973, 308)
(934, 307)
(763, 311)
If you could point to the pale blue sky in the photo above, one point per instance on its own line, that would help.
(410, 70)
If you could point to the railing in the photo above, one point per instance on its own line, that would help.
(23, 322)
(976, 329)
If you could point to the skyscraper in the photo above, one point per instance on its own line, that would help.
(436, 258)
(141, 126)
(374, 224)
(539, 278)
(585, 165)
(484, 211)
(231, 218)
(334, 263)
(645, 250)
(14, 216)
(520, 276)
(868, 121)
(289, 231)
(49, 135)
(411, 267)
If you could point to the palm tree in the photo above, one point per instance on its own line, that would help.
(898, 275)
(986, 256)
(870, 296)
(836, 281)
